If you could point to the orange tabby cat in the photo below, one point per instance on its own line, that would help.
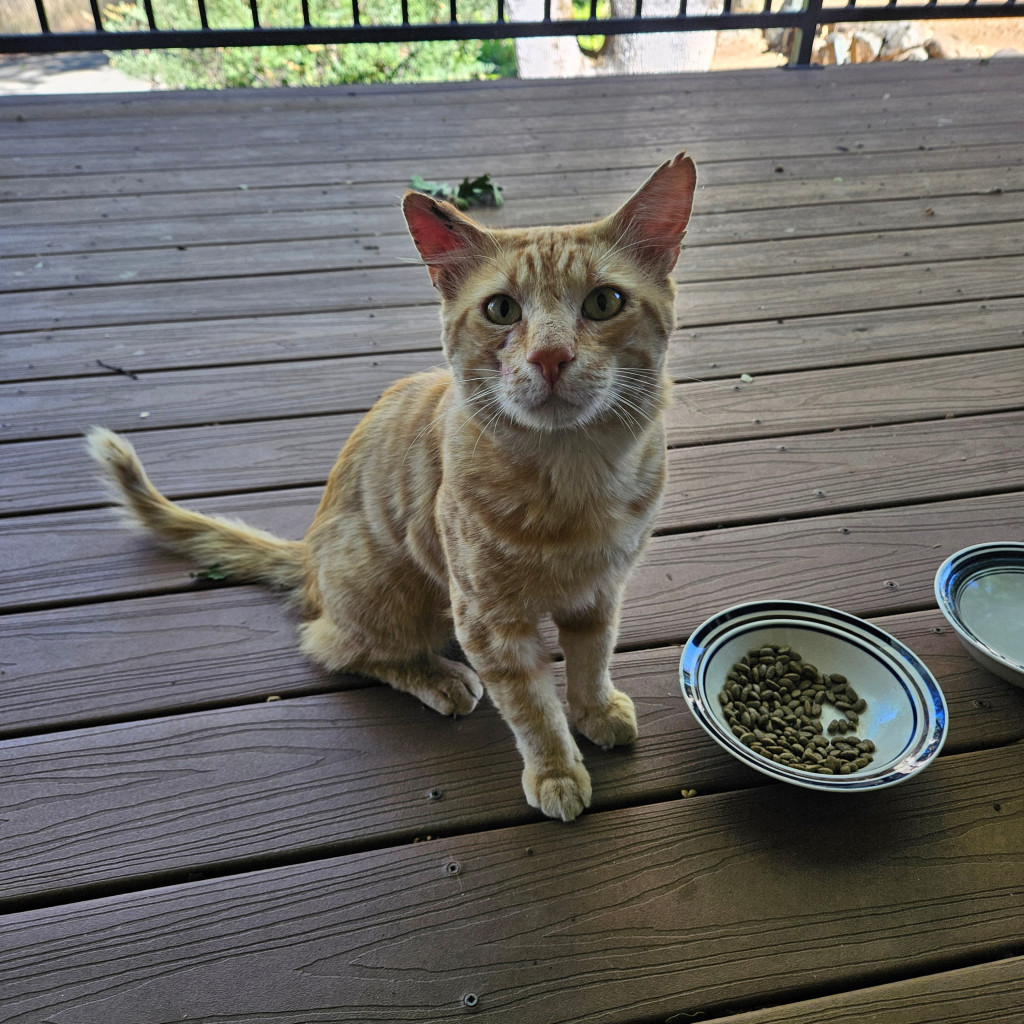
(520, 481)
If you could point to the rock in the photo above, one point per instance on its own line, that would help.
(898, 37)
(865, 47)
(917, 53)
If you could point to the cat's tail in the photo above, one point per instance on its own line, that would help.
(241, 552)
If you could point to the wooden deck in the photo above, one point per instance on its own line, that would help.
(197, 825)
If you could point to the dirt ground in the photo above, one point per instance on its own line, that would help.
(980, 37)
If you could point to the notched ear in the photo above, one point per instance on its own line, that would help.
(654, 220)
(444, 237)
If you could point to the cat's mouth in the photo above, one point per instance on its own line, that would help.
(556, 410)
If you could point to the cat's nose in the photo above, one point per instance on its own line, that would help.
(552, 361)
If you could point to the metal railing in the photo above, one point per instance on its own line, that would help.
(804, 17)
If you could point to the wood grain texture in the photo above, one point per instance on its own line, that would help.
(846, 397)
(720, 900)
(983, 994)
(814, 474)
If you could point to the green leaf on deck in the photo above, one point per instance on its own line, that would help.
(479, 191)
(213, 573)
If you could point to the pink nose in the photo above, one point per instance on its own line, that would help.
(552, 361)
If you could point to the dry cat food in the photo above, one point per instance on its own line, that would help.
(773, 700)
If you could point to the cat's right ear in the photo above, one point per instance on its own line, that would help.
(445, 238)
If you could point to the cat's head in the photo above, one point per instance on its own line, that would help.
(555, 328)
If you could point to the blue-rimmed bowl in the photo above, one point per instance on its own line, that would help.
(980, 590)
(906, 712)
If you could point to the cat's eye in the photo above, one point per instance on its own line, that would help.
(602, 303)
(503, 310)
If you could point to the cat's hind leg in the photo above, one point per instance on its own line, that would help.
(444, 685)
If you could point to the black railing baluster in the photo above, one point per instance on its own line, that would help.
(97, 17)
(405, 12)
(44, 25)
(638, 11)
(150, 17)
(501, 10)
(254, 7)
(355, 12)
(204, 19)
(453, 7)
(305, 14)
(807, 29)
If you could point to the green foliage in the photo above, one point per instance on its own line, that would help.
(312, 64)
(591, 45)
(469, 192)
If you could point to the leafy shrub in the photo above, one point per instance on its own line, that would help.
(313, 63)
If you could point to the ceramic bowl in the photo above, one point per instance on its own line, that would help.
(906, 712)
(980, 590)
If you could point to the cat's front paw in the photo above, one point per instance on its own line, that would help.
(559, 794)
(611, 724)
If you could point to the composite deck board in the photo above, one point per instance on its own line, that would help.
(947, 79)
(524, 181)
(708, 485)
(779, 191)
(827, 142)
(702, 262)
(701, 302)
(990, 993)
(355, 226)
(702, 411)
(940, 79)
(141, 658)
(871, 562)
(180, 845)
(463, 131)
(721, 351)
(194, 792)
(540, 923)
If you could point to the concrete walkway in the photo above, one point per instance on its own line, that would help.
(63, 73)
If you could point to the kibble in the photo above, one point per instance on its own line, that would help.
(772, 701)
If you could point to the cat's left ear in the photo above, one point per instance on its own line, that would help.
(654, 220)
(444, 237)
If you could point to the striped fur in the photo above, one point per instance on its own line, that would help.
(521, 480)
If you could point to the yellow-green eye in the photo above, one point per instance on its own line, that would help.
(503, 310)
(602, 303)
